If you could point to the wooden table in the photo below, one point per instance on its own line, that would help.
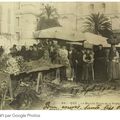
(40, 74)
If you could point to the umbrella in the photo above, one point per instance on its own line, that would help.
(96, 39)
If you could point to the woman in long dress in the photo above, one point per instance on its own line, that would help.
(63, 53)
(88, 59)
(100, 64)
(113, 64)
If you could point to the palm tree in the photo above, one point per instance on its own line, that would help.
(98, 24)
(49, 12)
(48, 18)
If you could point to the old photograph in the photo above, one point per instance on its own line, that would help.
(60, 55)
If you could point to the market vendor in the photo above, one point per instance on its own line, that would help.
(30, 53)
(54, 54)
(113, 67)
(23, 53)
(72, 60)
(88, 59)
(34, 52)
(12, 65)
(100, 64)
(14, 50)
(63, 53)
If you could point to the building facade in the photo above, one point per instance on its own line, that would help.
(26, 19)
(71, 15)
(75, 13)
(7, 20)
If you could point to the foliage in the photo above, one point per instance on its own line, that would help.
(98, 24)
(48, 18)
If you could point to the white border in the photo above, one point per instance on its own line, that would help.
(59, 0)
(65, 114)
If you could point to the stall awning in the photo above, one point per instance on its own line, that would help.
(60, 33)
(96, 39)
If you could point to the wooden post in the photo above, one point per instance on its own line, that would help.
(58, 73)
(39, 78)
(10, 88)
(93, 75)
(4, 98)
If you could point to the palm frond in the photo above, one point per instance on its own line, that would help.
(96, 23)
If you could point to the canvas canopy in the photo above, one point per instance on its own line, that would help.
(61, 33)
(96, 39)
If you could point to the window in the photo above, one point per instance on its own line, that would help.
(91, 7)
(18, 5)
(17, 21)
(0, 18)
(9, 20)
(103, 7)
(18, 35)
(37, 20)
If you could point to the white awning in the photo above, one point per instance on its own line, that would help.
(96, 39)
(60, 33)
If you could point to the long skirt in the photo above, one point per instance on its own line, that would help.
(66, 63)
(100, 67)
(113, 69)
(87, 72)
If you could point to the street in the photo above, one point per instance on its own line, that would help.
(91, 97)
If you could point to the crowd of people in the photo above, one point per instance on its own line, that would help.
(82, 64)
(98, 64)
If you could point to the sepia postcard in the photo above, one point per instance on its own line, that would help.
(60, 56)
